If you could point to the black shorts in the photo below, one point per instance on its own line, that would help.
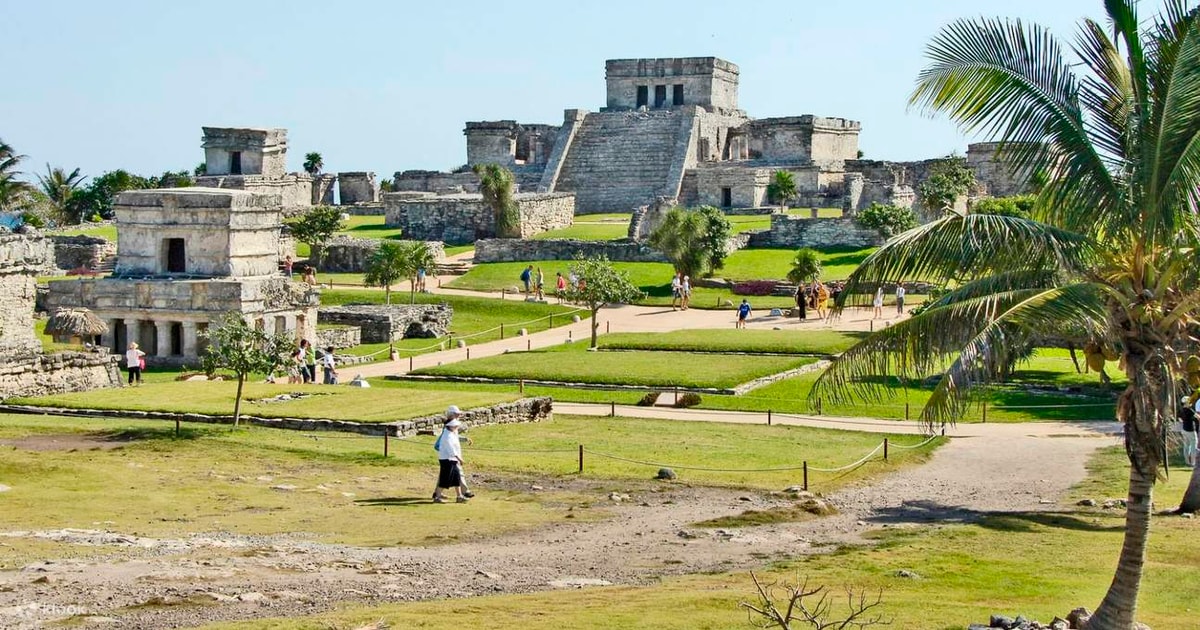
(449, 474)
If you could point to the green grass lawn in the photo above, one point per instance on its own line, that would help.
(730, 340)
(574, 364)
(334, 402)
(774, 264)
(968, 572)
(106, 230)
(607, 217)
(588, 232)
(371, 226)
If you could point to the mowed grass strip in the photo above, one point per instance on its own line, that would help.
(587, 232)
(652, 369)
(727, 340)
(967, 573)
(323, 401)
(250, 481)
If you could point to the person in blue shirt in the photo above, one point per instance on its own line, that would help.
(743, 312)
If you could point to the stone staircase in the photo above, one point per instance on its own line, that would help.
(453, 267)
(618, 161)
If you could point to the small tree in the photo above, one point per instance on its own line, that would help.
(1016, 206)
(716, 236)
(313, 163)
(243, 349)
(806, 266)
(600, 283)
(887, 220)
(949, 179)
(795, 606)
(782, 188)
(201, 169)
(316, 227)
(388, 264)
(386, 185)
(693, 240)
(496, 184)
(419, 257)
(59, 186)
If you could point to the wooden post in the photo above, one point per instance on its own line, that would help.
(529, 344)
(613, 410)
(521, 385)
(607, 327)
(768, 417)
(410, 363)
(818, 406)
(872, 324)
(985, 411)
(551, 320)
(581, 458)
(176, 427)
(385, 444)
(806, 474)
(468, 353)
(501, 331)
(676, 394)
(885, 449)
(906, 411)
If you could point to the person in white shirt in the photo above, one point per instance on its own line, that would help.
(329, 366)
(133, 362)
(676, 290)
(900, 298)
(877, 303)
(450, 461)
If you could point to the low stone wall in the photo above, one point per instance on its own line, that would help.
(462, 219)
(523, 410)
(516, 250)
(792, 231)
(86, 252)
(384, 323)
(435, 182)
(346, 254)
(375, 209)
(59, 373)
(339, 337)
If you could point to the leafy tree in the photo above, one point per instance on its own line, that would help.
(316, 227)
(237, 346)
(694, 241)
(806, 266)
(386, 185)
(496, 183)
(888, 220)
(172, 179)
(1017, 206)
(1111, 248)
(313, 163)
(387, 265)
(419, 257)
(59, 186)
(97, 197)
(201, 169)
(782, 188)
(949, 179)
(600, 283)
(12, 189)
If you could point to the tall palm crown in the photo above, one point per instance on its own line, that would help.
(313, 163)
(11, 188)
(1111, 250)
(59, 186)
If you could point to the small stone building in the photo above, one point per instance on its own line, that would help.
(187, 256)
(255, 160)
(464, 218)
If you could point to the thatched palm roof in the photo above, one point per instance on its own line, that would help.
(75, 322)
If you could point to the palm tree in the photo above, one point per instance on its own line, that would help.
(806, 266)
(1110, 248)
(12, 190)
(419, 257)
(496, 184)
(313, 163)
(386, 265)
(782, 188)
(59, 186)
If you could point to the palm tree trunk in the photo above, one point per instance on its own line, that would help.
(1116, 611)
(1191, 496)
(237, 402)
(595, 324)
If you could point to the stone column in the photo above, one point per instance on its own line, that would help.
(133, 329)
(162, 346)
(189, 339)
(109, 338)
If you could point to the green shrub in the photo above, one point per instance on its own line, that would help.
(887, 220)
(649, 399)
(1017, 206)
(690, 399)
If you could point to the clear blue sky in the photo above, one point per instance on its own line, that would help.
(387, 86)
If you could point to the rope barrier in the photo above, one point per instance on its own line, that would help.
(911, 446)
(849, 466)
(660, 465)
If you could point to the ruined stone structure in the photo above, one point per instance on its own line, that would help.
(515, 250)
(789, 231)
(187, 256)
(994, 175)
(346, 254)
(464, 218)
(81, 252)
(25, 370)
(255, 160)
(357, 187)
(381, 323)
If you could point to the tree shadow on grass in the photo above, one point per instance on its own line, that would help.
(911, 512)
(143, 434)
(394, 501)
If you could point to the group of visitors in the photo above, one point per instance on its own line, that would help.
(877, 302)
(302, 368)
(681, 292)
(534, 280)
(309, 276)
(816, 296)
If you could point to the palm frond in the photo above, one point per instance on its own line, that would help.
(1175, 176)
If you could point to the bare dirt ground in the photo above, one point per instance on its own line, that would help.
(152, 583)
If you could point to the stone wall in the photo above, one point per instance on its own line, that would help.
(463, 219)
(346, 254)
(58, 373)
(367, 209)
(789, 231)
(815, 139)
(435, 182)
(338, 336)
(518, 250)
(357, 187)
(81, 252)
(387, 323)
(747, 186)
(21, 257)
(994, 174)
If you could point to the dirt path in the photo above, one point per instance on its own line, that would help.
(650, 534)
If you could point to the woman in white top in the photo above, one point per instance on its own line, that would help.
(878, 303)
(133, 362)
(450, 460)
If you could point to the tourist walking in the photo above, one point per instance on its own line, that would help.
(527, 278)
(676, 290)
(743, 313)
(287, 266)
(541, 285)
(296, 368)
(900, 298)
(420, 286)
(1188, 425)
(560, 285)
(450, 460)
(308, 356)
(878, 303)
(821, 293)
(329, 366)
(135, 362)
(801, 302)
(686, 289)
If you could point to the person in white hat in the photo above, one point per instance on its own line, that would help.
(450, 461)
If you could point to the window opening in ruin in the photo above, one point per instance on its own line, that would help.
(523, 146)
(280, 325)
(643, 95)
(118, 336)
(201, 338)
(677, 94)
(176, 339)
(726, 197)
(235, 162)
(660, 96)
(175, 255)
